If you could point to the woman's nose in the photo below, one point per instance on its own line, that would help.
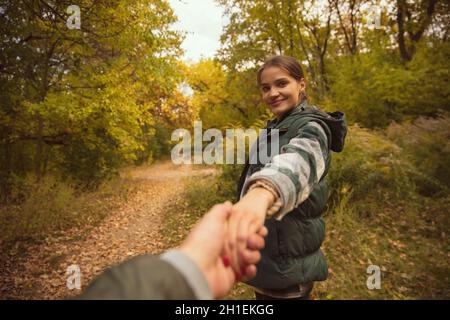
(273, 93)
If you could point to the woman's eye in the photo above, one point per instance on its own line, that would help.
(265, 89)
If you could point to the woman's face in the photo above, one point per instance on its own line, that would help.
(280, 91)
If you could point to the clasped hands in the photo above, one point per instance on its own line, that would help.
(225, 243)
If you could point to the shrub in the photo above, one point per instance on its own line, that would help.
(426, 144)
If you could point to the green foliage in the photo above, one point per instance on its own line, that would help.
(156, 145)
(376, 88)
(221, 99)
(82, 103)
(353, 90)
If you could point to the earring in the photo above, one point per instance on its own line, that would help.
(303, 96)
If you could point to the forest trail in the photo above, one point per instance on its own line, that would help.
(39, 271)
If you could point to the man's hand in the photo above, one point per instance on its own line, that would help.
(205, 245)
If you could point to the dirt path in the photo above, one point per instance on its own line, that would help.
(133, 229)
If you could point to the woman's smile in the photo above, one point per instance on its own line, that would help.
(277, 102)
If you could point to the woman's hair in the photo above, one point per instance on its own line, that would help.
(287, 63)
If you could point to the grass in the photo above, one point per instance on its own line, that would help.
(51, 207)
(412, 257)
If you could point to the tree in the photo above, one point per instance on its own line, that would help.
(413, 19)
(82, 96)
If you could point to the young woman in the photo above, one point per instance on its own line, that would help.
(288, 193)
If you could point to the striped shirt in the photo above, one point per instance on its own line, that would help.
(299, 166)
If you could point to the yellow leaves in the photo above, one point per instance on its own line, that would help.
(403, 289)
(397, 244)
(386, 170)
(406, 276)
(345, 189)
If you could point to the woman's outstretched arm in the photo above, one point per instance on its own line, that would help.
(282, 184)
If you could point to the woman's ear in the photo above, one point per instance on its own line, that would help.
(301, 87)
(302, 84)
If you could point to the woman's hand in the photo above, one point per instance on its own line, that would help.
(247, 217)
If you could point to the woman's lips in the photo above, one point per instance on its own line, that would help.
(276, 102)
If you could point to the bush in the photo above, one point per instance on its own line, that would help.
(426, 144)
(372, 168)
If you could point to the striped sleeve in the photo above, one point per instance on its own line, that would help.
(298, 167)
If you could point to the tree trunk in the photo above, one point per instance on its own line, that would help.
(424, 20)
(401, 31)
(39, 148)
